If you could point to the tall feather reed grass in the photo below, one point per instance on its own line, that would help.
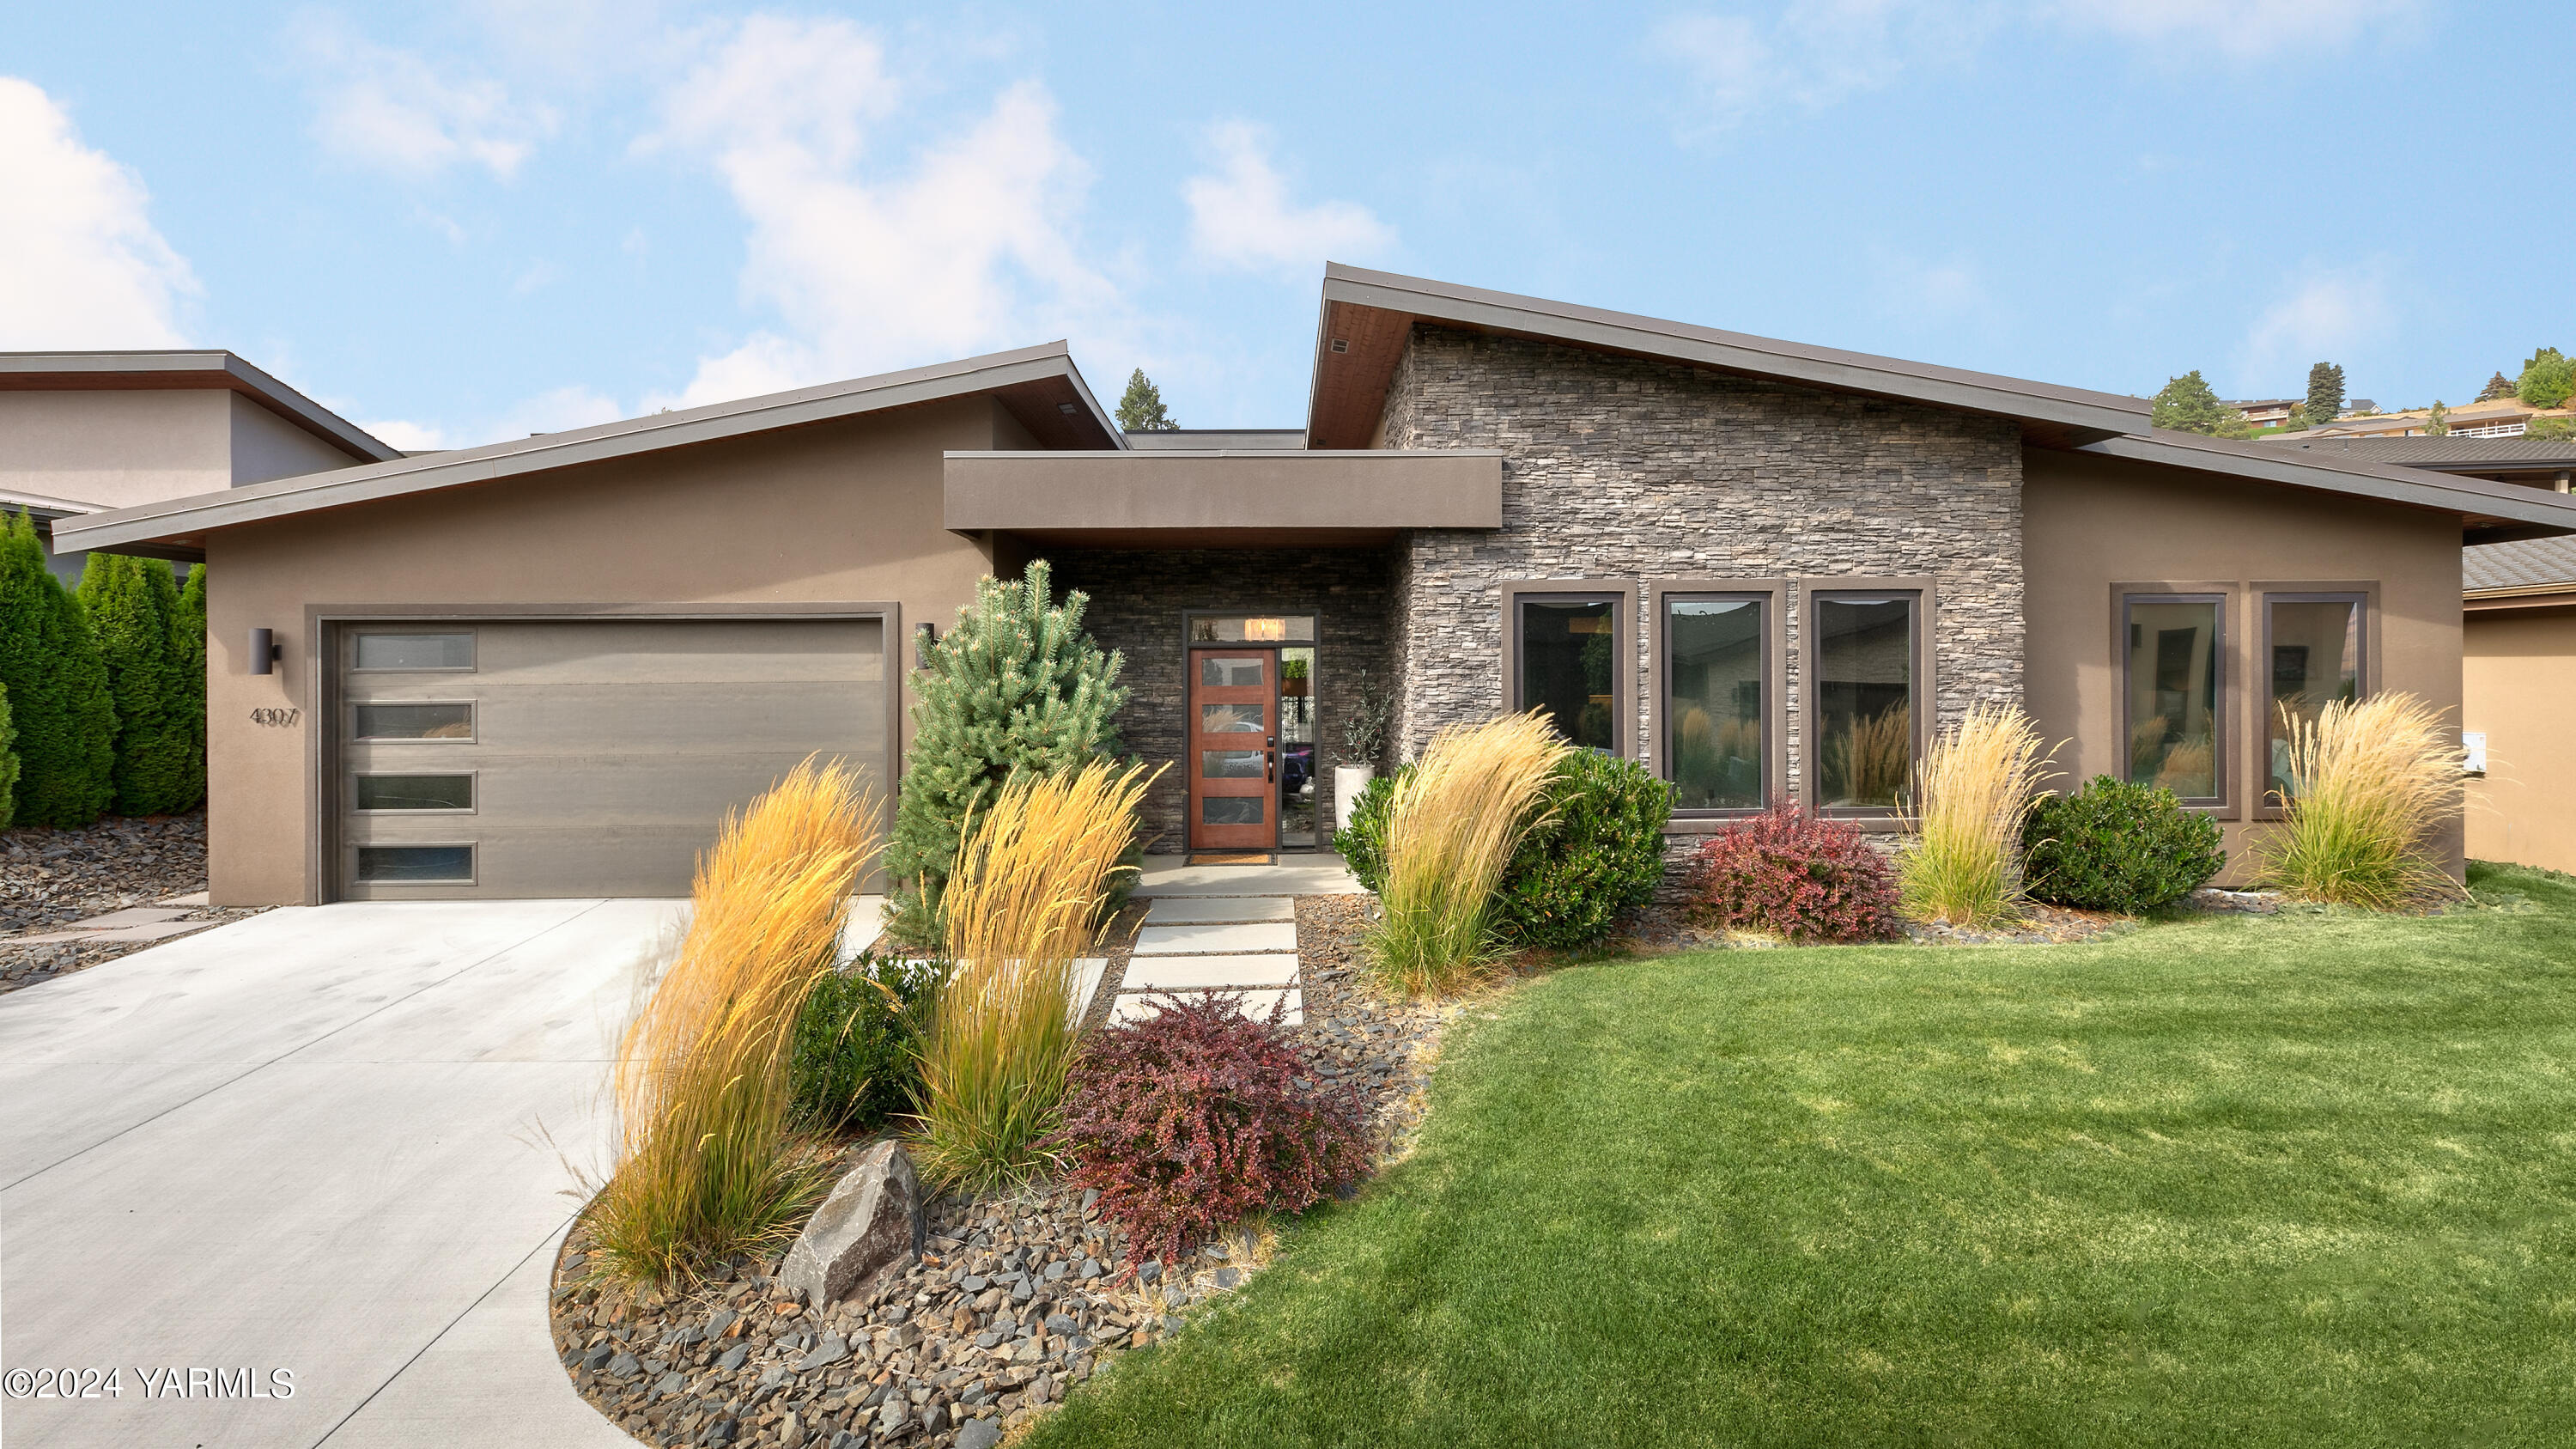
(1974, 789)
(2371, 783)
(1452, 825)
(1033, 871)
(706, 1162)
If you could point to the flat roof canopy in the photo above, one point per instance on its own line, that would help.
(1222, 498)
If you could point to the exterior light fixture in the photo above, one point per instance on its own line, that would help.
(1265, 628)
(264, 651)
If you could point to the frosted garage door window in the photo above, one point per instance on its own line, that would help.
(416, 864)
(415, 651)
(444, 721)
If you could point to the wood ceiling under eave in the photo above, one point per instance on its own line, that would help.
(1350, 386)
(1040, 407)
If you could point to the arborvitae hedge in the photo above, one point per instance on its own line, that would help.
(58, 694)
(189, 630)
(133, 607)
(8, 765)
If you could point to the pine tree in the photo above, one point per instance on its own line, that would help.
(2187, 404)
(2498, 386)
(2325, 393)
(1016, 685)
(8, 765)
(1140, 410)
(58, 695)
(188, 647)
(2438, 424)
(133, 605)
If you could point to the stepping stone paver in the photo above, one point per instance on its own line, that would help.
(131, 916)
(1204, 910)
(1137, 1005)
(1183, 940)
(1195, 973)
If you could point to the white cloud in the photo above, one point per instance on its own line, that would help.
(407, 436)
(81, 265)
(1240, 215)
(2330, 315)
(556, 411)
(1925, 293)
(393, 111)
(2238, 29)
(1814, 53)
(867, 266)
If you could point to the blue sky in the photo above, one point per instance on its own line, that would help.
(467, 221)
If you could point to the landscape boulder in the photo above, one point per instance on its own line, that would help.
(862, 1234)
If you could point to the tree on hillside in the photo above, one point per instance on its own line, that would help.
(1017, 685)
(133, 607)
(2547, 379)
(2439, 423)
(2325, 393)
(58, 696)
(2498, 386)
(2187, 404)
(1140, 410)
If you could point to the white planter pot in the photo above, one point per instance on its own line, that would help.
(1348, 782)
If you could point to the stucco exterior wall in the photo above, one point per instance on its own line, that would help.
(2519, 685)
(265, 446)
(1625, 471)
(2094, 523)
(1138, 600)
(115, 448)
(845, 512)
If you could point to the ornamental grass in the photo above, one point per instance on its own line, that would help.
(1973, 791)
(2371, 783)
(1453, 822)
(1032, 873)
(707, 1162)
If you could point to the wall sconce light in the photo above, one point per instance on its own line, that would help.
(923, 637)
(264, 651)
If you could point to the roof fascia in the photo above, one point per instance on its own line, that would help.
(285, 401)
(1727, 351)
(2419, 488)
(548, 452)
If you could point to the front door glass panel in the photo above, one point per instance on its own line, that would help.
(1234, 745)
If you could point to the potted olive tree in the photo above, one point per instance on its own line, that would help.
(1372, 711)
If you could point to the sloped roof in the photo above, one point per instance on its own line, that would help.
(2527, 565)
(185, 369)
(2436, 451)
(2475, 499)
(1039, 384)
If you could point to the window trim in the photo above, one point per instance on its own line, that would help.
(473, 646)
(476, 788)
(2226, 804)
(2263, 595)
(473, 724)
(473, 862)
(1923, 703)
(1774, 596)
(1622, 594)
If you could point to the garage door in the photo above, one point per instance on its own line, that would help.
(505, 758)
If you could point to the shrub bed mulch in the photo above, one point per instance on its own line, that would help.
(1016, 1299)
(50, 879)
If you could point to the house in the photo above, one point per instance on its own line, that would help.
(546, 666)
(82, 432)
(2268, 412)
(2500, 418)
(2518, 691)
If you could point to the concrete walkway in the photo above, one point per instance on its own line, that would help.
(338, 1142)
(1224, 928)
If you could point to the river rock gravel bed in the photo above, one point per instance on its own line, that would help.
(1015, 1300)
(52, 879)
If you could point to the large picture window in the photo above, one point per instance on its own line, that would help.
(1863, 655)
(2175, 678)
(2312, 650)
(1566, 662)
(1717, 700)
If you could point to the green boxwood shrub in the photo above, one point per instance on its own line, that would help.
(2113, 846)
(856, 1062)
(1602, 853)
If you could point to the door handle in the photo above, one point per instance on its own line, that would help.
(1270, 759)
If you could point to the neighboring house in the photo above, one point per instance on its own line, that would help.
(2518, 688)
(2268, 412)
(81, 432)
(547, 666)
(2502, 418)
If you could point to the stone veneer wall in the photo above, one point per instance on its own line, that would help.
(1622, 469)
(1137, 601)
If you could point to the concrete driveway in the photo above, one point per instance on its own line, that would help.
(331, 1142)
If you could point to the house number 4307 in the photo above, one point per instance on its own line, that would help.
(276, 719)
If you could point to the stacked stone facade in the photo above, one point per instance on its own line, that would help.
(1627, 470)
(1140, 597)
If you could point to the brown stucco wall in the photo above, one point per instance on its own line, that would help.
(2519, 685)
(2091, 523)
(845, 512)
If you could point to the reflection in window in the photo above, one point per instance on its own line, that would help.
(2173, 676)
(2316, 661)
(414, 792)
(1715, 664)
(1863, 657)
(1230, 719)
(1231, 764)
(1259, 628)
(1230, 809)
(1568, 649)
(1216, 671)
(415, 651)
(416, 864)
(453, 721)
(1297, 798)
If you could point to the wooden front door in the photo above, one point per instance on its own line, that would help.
(1234, 749)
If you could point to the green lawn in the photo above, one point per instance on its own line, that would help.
(2293, 1180)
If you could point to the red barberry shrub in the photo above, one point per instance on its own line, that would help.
(1797, 875)
(1194, 1118)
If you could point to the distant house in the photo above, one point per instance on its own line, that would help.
(2502, 418)
(2269, 412)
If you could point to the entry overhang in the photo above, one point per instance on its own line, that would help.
(1226, 498)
